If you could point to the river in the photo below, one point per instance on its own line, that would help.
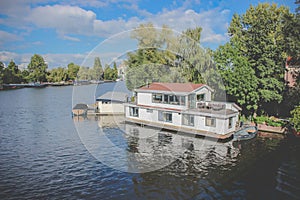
(47, 154)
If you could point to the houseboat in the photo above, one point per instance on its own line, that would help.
(183, 107)
(111, 103)
(80, 109)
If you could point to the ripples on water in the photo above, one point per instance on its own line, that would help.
(42, 157)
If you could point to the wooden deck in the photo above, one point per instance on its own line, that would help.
(181, 129)
(93, 113)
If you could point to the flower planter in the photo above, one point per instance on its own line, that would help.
(272, 129)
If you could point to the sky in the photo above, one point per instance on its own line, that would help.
(71, 31)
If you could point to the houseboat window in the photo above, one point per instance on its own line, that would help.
(210, 121)
(134, 111)
(166, 98)
(164, 116)
(200, 97)
(149, 111)
(182, 100)
(230, 120)
(156, 98)
(188, 120)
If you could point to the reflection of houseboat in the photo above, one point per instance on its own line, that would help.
(80, 109)
(110, 121)
(184, 107)
(111, 103)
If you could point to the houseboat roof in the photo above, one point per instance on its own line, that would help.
(173, 87)
(113, 96)
(80, 106)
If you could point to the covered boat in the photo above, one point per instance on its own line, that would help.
(245, 133)
(80, 109)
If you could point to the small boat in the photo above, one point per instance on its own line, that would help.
(80, 109)
(245, 133)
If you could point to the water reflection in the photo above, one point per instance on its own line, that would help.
(143, 149)
(176, 165)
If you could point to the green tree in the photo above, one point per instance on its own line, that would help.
(238, 77)
(83, 73)
(72, 71)
(12, 73)
(98, 70)
(258, 36)
(37, 68)
(1, 72)
(57, 75)
(295, 119)
(107, 72)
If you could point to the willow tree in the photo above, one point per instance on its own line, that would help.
(151, 56)
(258, 38)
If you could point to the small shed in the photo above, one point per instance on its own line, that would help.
(111, 103)
(80, 109)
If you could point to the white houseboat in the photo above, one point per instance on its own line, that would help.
(111, 103)
(183, 107)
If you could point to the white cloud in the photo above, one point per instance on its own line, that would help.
(66, 37)
(64, 19)
(8, 37)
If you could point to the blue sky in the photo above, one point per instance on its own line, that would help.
(67, 31)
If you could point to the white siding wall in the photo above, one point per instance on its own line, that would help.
(199, 121)
(205, 91)
(146, 99)
(110, 108)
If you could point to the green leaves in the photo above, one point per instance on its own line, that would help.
(37, 69)
(252, 63)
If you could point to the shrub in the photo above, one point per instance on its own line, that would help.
(295, 119)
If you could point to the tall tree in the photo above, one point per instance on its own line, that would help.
(258, 36)
(1, 72)
(12, 73)
(98, 70)
(72, 71)
(57, 75)
(37, 68)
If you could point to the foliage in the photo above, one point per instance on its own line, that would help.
(12, 74)
(37, 69)
(57, 75)
(180, 57)
(1, 72)
(98, 70)
(256, 54)
(270, 121)
(295, 119)
(72, 71)
(111, 73)
(83, 73)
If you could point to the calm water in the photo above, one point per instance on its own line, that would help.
(43, 156)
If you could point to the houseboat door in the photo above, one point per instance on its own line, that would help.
(192, 100)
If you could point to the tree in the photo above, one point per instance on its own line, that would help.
(1, 72)
(72, 71)
(257, 36)
(295, 119)
(83, 73)
(57, 75)
(238, 77)
(12, 73)
(98, 70)
(37, 68)
(110, 73)
(291, 33)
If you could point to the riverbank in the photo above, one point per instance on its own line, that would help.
(49, 84)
